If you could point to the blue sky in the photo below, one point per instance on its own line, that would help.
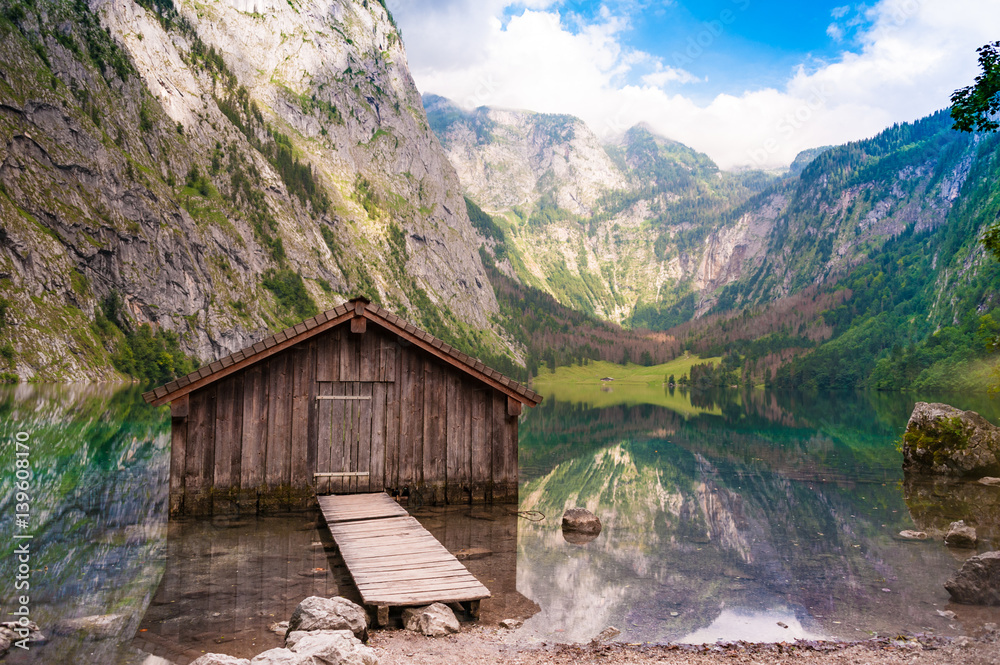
(749, 82)
(729, 45)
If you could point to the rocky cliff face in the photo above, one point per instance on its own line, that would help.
(507, 159)
(607, 229)
(184, 157)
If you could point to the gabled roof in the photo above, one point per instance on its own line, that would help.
(356, 308)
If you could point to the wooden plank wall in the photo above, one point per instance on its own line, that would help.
(252, 441)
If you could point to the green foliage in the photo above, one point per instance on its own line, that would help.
(482, 222)
(8, 353)
(488, 228)
(940, 438)
(81, 25)
(442, 114)
(140, 352)
(145, 118)
(244, 113)
(297, 176)
(294, 301)
(556, 335)
(548, 212)
(198, 182)
(974, 107)
(666, 314)
(365, 194)
(311, 104)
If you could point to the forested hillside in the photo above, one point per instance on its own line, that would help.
(863, 269)
(880, 242)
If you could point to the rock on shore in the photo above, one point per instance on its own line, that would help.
(941, 439)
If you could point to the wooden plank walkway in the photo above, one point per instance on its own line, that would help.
(393, 560)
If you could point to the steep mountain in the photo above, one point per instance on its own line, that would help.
(508, 159)
(216, 171)
(878, 243)
(616, 231)
(860, 267)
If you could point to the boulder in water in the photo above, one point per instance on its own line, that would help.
(978, 582)
(961, 535)
(944, 440)
(580, 520)
(909, 534)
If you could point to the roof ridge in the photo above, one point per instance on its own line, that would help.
(290, 336)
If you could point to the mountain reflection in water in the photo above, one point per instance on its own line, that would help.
(775, 520)
(728, 516)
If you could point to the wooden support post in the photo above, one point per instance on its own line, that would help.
(381, 616)
(378, 615)
(359, 324)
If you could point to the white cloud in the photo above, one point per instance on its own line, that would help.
(662, 75)
(910, 55)
(835, 32)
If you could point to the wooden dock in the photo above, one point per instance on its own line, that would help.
(394, 561)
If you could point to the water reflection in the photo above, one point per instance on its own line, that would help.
(100, 459)
(730, 515)
(227, 581)
(776, 518)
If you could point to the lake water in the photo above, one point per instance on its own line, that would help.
(728, 515)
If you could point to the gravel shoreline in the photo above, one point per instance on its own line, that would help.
(486, 646)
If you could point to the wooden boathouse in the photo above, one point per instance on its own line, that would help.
(354, 400)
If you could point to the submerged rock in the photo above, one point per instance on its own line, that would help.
(220, 659)
(97, 626)
(608, 633)
(580, 526)
(434, 620)
(990, 480)
(944, 440)
(978, 582)
(961, 535)
(318, 613)
(913, 535)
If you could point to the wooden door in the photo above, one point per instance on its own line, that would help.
(344, 451)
